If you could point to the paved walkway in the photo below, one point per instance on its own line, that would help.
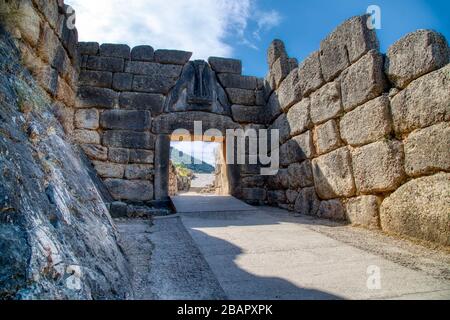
(266, 253)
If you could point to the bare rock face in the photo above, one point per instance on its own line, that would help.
(57, 239)
(420, 209)
(414, 55)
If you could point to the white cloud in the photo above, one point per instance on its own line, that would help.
(201, 26)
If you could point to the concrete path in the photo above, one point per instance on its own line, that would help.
(266, 253)
(195, 203)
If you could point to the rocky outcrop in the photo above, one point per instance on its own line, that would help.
(57, 239)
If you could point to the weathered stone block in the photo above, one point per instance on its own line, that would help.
(105, 64)
(253, 182)
(65, 93)
(256, 194)
(289, 91)
(276, 50)
(109, 170)
(307, 202)
(142, 156)
(91, 97)
(332, 209)
(231, 80)
(241, 96)
(136, 190)
(360, 39)
(48, 79)
(423, 103)
(326, 103)
(276, 197)
(115, 50)
(29, 22)
(119, 155)
(86, 137)
(118, 209)
(248, 114)
(129, 139)
(364, 211)
(142, 101)
(300, 175)
(298, 117)
(101, 79)
(428, 150)
(126, 120)
(139, 172)
(281, 124)
(273, 107)
(88, 48)
(153, 84)
(172, 56)
(153, 69)
(363, 81)
(333, 54)
(378, 167)
(310, 74)
(122, 81)
(87, 119)
(291, 196)
(280, 70)
(95, 152)
(367, 123)
(420, 209)
(224, 65)
(326, 137)
(333, 175)
(297, 149)
(48, 44)
(414, 55)
(143, 53)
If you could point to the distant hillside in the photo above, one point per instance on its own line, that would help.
(179, 157)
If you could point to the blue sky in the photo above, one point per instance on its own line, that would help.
(243, 29)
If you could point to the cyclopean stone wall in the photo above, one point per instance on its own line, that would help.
(365, 137)
(47, 40)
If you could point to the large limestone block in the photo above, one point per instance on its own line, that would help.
(297, 149)
(143, 53)
(280, 70)
(326, 103)
(253, 182)
(87, 119)
(231, 80)
(299, 118)
(119, 155)
(310, 74)
(132, 190)
(28, 24)
(414, 55)
(241, 96)
(153, 69)
(91, 97)
(426, 101)
(428, 150)
(95, 151)
(109, 170)
(128, 139)
(300, 175)
(115, 50)
(139, 172)
(368, 123)
(332, 209)
(248, 114)
(122, 81)
(281, 124)
(364, 211)
(224, 65)
(102, 79)
(142, 101)
(420, 209)
(307, 202)
(275, 51)
(126, 120)
(254, 194)
(326, 137)
(156, 83)
(172, 56)
(86, 136)
(276, 197)
(378, 167)
(273, 107)
(105, 64)
(142, 156)
(363, 81)
(291, 196)
(88, 48)
(345, 45)
(289, 91)
(333, 176)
